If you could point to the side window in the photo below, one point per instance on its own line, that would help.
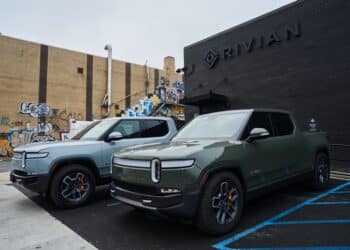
(128, 128)
(154, 128)
(282, 124)
(257, 120)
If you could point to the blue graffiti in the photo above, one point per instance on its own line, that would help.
(20, 137)
(145, 106)
(179, 85)
(143, 109)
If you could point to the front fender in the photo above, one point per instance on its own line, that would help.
(77, 159)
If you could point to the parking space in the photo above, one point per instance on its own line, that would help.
(296, 216)
(322, 221)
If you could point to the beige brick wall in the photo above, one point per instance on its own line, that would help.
(118, 86)
(138, 83)
(66, 88)
(99, 84)
(19, 81)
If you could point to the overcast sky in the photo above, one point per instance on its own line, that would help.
(137, 30)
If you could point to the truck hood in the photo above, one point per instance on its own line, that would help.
(43, 146)
(176, 150)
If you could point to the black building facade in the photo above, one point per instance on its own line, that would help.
(295, 58)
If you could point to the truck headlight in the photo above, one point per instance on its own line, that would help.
(130, 163)
(177, 164)
(36, 155)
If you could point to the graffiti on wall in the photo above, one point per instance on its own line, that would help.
(5, 147)
(171, 94)
(45, 128)
(4, 121)
(22, 132)
(164, 94)
(64, 115)
(20, 137)
(8, 141)
(36, 109)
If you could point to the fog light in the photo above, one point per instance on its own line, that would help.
(169, 190)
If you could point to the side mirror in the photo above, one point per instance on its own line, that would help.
(114, 136)
(257, 133)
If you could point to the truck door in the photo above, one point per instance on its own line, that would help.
(262, 161)
(131, 131)
(135, 132)
(287, 141)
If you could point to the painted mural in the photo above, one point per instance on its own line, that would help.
(37, 122)
(164, 102)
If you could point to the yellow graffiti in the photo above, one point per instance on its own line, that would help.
(155, 100)
(5, 148)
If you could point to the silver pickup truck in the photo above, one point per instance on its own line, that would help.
(69, 171)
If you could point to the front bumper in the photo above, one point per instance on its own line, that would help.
(37, 183)
(176, 204)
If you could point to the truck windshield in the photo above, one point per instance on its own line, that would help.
(214, 126)
(95, 130)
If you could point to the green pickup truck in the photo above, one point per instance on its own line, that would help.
(216, 163)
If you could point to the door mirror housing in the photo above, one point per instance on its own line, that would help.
(114, 136)
(257, 133)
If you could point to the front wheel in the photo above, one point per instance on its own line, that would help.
(321, 171)
(72, 186)
(221, 204)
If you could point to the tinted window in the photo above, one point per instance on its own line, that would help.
(257, 120)
(128, 128)
(282, 124)
(95, 130)
(216, 125)
(154, 128)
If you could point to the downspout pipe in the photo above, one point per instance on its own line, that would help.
(108, 47)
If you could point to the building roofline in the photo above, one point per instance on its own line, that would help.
(75, 51)
(251, 21)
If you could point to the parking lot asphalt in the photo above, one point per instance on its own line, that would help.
(293, 217)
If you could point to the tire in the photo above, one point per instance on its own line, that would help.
(321, 173)
(72, 186)
(216, 198)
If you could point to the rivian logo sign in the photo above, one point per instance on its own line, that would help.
(213, 56)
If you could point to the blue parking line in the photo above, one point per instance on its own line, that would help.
(223, 244)
(341, 192)
(114, 204)
(295, 248)
(299, 222)
(330, 203)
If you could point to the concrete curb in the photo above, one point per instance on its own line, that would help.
(25, 225)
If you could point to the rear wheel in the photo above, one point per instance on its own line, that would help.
(221, 205)
(72, 186)
(321, 171)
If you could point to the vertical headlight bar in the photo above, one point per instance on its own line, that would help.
(23, 159)
(155, 170)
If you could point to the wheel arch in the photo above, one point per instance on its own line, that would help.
(85, 161)
(236, 170)
(322, 149)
